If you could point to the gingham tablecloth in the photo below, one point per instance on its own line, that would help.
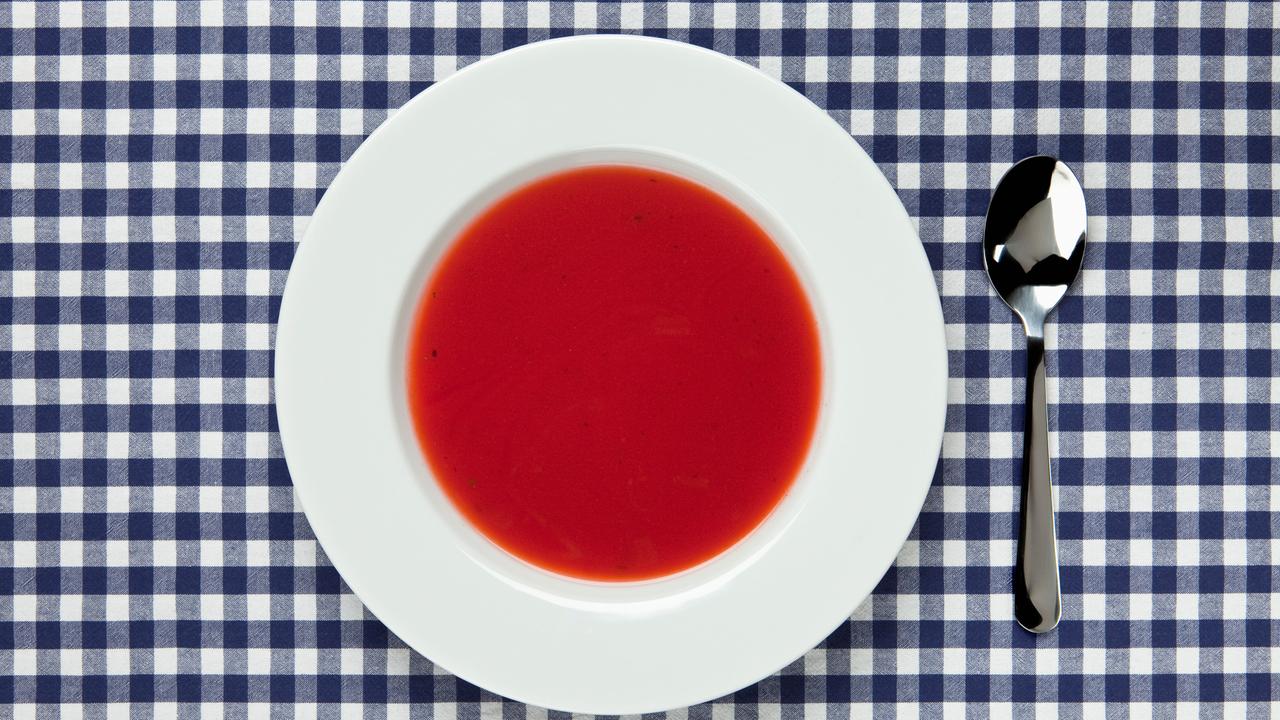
(158, 163)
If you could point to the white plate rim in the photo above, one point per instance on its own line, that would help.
(534, 639)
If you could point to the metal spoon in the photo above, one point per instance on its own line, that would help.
(1032, 249)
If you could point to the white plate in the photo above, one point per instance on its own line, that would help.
(359, 474)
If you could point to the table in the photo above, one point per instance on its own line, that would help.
(158, 162)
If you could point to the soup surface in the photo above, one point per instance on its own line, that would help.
(614, 373)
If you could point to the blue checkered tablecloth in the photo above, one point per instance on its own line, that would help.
(158, 162)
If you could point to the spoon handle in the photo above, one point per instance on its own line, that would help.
(1037, 602)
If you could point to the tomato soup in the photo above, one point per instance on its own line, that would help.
(614, 373)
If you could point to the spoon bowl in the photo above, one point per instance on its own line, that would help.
(1035, 237)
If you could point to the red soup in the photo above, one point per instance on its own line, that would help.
(614, 373)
